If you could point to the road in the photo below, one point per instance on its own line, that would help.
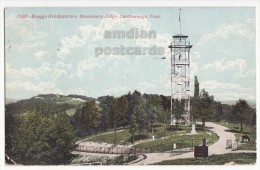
(217, 148)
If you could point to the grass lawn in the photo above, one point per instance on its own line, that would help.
(247, 130)
(237, 158)
(161, 143)
(181, 139)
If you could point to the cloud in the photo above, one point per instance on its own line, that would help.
(224, 31)
(248, 73)
(162, 40)
(10, 72)
(194, 64)
(116, 91)
(55, 71)
(228, 91)
(79, 91)
(42, 87)
(196, 55)
(87, 65)
(45, 68)
(221, 66)
(193, 69)
(251, 20)
(24, 34)
(40, 54)
(93, 35)
(67, 44)
(13, 73)
(29, 72)
(146, 87)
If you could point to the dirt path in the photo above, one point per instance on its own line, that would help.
(220, 146)
(217, 148)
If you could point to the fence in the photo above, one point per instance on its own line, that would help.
(112, 150)
(180, 146)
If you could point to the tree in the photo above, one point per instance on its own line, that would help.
(195, 100)
(196, 87)
(122, 104)
(137, 107)
(41, 140)
(61, 138)
(241, 112)
(90, 117)
(154, 110)
(133, 127)
(206, 105)
(253, 117)
(9, 122)
(178, 109)
(106, 103)
(166, 102)
(219, 112)
(141, 117)
(227, 112)
(117, 112)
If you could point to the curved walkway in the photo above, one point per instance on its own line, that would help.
(217, 148)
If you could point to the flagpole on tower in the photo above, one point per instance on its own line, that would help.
(180, 19)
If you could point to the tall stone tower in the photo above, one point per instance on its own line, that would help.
(180, 74)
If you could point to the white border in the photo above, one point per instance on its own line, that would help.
(125, 3)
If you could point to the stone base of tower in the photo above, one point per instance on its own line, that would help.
(185, 119)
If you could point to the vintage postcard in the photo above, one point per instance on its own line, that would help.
(130, 86)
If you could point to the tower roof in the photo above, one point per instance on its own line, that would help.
(180, 36)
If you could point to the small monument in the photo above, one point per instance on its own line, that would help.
(193, 130)
(174, 146)
(152, 138)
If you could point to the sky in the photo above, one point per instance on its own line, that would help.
(53, 55)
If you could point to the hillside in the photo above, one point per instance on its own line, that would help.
(49, 102)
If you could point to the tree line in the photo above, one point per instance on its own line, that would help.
(136, 111)
(204, 107)
(139, 112)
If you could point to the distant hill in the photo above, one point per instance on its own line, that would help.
(51, 103)
(252, 103)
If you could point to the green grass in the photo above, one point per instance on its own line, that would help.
(247, 130)
(109, 137)
(160, 143)
(238, 158)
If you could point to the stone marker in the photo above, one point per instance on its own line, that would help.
(193, 130)
(174, 146)
(226, 123)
